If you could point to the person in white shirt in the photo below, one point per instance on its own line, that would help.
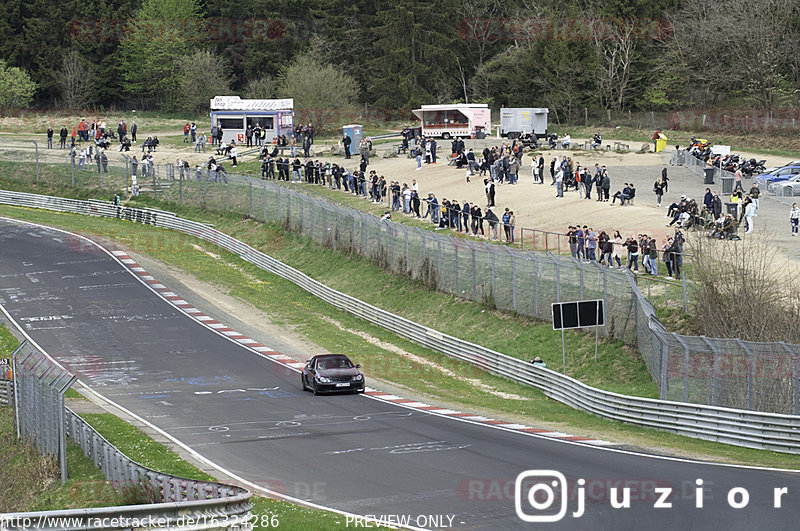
(560, 183)
(233, 154)
(566, 141)
(794, 218)
(749, 216)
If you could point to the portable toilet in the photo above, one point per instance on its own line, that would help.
(355, 132)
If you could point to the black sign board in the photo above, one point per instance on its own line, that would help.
(578, 314)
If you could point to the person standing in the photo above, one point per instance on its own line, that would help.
(658, 189)
(541, 169)
(616, 249)
(665, 179)
(591, 245)
(201, 143)
(749, 215)
(754, 193)
(62, 137)
(507, 224)
(489, 185)
(50, 138)
(193, 132)
(606, 184)
(133, 131)
(433, 150)
(346, 141)
(186, 132)
(559, 180)
(794, 218)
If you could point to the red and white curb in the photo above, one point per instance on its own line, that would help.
(285, 360)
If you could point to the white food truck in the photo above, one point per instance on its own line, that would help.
(458, 120)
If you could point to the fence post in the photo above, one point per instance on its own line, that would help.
(663, 380)
(73, 171)
(408, 257)
(393, 239)
(227, 193)
(685, 297)
(205, 186)
(513, 281)
(536, 284)
(365, 248)
(491, 254)
(714, 370)
(685, 366)
(795, 377)
(439, 264)
(36, 146)
(474, 279)
(455, 266)
(250, 195)
(264, 187)
(155, 191)
(751, 366)
(62, 436)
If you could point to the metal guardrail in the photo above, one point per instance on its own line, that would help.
(185, 503)
(740, 427)
(5, 393)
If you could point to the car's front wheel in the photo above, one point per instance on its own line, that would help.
(303, 382)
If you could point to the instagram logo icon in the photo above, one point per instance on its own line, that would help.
(535, 494)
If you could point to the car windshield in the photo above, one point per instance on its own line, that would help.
(334, 363)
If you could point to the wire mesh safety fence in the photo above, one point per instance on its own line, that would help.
(521, 281)
(39, 384)
(36, 390)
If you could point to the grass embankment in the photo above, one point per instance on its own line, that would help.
(31, 482)
(430, 374)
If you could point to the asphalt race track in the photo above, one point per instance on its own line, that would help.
(349, 452)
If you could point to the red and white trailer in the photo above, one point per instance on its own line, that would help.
(458, 120)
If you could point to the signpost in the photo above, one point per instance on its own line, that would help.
(578, 314)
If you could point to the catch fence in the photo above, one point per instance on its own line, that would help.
(720, 372)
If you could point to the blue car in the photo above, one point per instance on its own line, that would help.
(781, 174)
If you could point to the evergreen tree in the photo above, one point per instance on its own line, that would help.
(416, 46)
(158, 36)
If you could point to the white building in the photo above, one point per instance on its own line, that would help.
(235, 114)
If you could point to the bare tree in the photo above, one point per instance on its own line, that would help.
(77, 81)
(742, 292)
(481, 25)
(320, 91)
(264, 87)
(747, 47)
(616, 45)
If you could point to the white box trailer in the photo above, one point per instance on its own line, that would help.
(523, 121)
(453, 121)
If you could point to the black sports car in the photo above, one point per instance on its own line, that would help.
(332, 372)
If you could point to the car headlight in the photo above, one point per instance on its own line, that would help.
(323, 379)
(357, 378)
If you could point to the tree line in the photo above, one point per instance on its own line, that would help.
(174, 55)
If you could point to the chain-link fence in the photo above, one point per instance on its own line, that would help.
(39, 384)
(686, 368)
